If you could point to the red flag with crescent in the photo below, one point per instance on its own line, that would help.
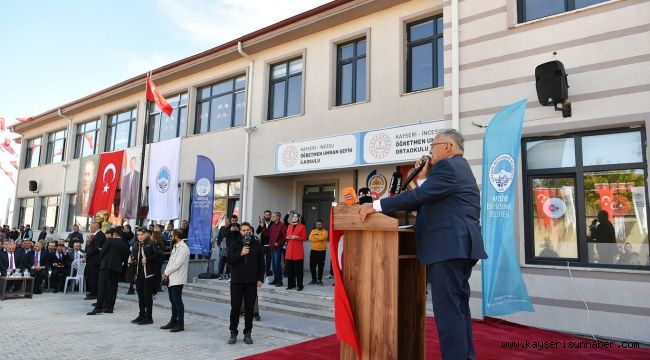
(346, 329)
(108, 177)
(541, 195)
(606, 198)
(154, 95)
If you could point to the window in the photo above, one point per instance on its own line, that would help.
(221, 105)
(82, 221)
(535, 9)
(86, 139)
(33, 152)
(424, 54)
(49, 211)
(285, 89)
(120, 133)
(163, 127)
(26, 212)
(55, 147)
(351, 72)
(226, 201)
(586, 200)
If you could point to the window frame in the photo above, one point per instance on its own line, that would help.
(353, 60)
(27, 164)
(153, 111)
(577, 172)
(42, 216)
(434, 46)
(569, 5)
(22, 210)
(51, 143)
(81, 131)
(233, 95)
(110, 145)
(285, 78)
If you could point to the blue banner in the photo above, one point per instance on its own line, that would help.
(202, 207)
(504, 291)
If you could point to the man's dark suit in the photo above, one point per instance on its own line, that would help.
(22, 256)
(4, 262)
(129, 197)
(448, 238)
(113, 254)
(60, 265)
(93, 262)
(38, 275)
(144, 275)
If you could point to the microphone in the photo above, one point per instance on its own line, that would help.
(365, 195)
(395, 184)
(349, 196)
(425, 159)
(247, 242)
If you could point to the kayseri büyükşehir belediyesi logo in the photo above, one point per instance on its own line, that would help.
(163, 178)
(502, 172)
(203, 187)
(290, 156)
(379, 146)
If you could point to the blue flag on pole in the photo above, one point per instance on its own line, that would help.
(504, 291)
(202, 207)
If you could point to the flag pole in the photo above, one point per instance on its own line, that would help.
(139, 221)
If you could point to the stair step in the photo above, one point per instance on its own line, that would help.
(292, 298)
(281, 308)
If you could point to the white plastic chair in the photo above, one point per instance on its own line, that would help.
(78, 279)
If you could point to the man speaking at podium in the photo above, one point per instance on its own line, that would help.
(448, 236)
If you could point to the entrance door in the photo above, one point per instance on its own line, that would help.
(316, 204)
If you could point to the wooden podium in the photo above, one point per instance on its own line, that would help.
(385, 284)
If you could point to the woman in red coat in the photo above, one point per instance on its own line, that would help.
(296, 236)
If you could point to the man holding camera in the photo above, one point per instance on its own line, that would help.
(246, 259)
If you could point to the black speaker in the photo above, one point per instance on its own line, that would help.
(551, 83)
(33, 186)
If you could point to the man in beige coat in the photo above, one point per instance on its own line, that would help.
(176, 276)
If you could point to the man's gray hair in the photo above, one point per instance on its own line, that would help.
(97, 223)
(455, 136)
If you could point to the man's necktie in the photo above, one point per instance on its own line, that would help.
(11, 261)
(35, 260)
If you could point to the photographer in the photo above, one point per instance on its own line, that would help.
(246, 259)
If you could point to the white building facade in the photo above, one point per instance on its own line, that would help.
(295, 112)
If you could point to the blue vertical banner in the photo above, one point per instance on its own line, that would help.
(504, 291)
(202, 207)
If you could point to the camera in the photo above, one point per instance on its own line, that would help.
(248, 239)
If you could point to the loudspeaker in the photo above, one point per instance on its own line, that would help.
(33, 186)
(551, 83)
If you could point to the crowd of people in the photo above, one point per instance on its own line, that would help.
(244, 256)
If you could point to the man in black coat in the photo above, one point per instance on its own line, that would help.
(246, 259)
(93, 249)
(59, 263)
(75, 236)
(23, 253)
(113, 254)
(37, 262)
(145, 255)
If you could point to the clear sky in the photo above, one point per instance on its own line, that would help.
(56, 51)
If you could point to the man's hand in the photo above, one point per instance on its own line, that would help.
(424, 173)
(144, 260)
(245, 250)
(165, 277)
(365, 210)
(259, 284)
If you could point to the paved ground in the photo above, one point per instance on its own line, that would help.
(52, 324)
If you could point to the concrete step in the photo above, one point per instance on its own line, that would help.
(220, 311)
(326, 315)
(266, 295)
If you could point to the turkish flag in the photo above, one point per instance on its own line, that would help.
(541, 195)
(346, 329)
(108, 177)
(606, 195)
(6, 145)
(154, 95)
